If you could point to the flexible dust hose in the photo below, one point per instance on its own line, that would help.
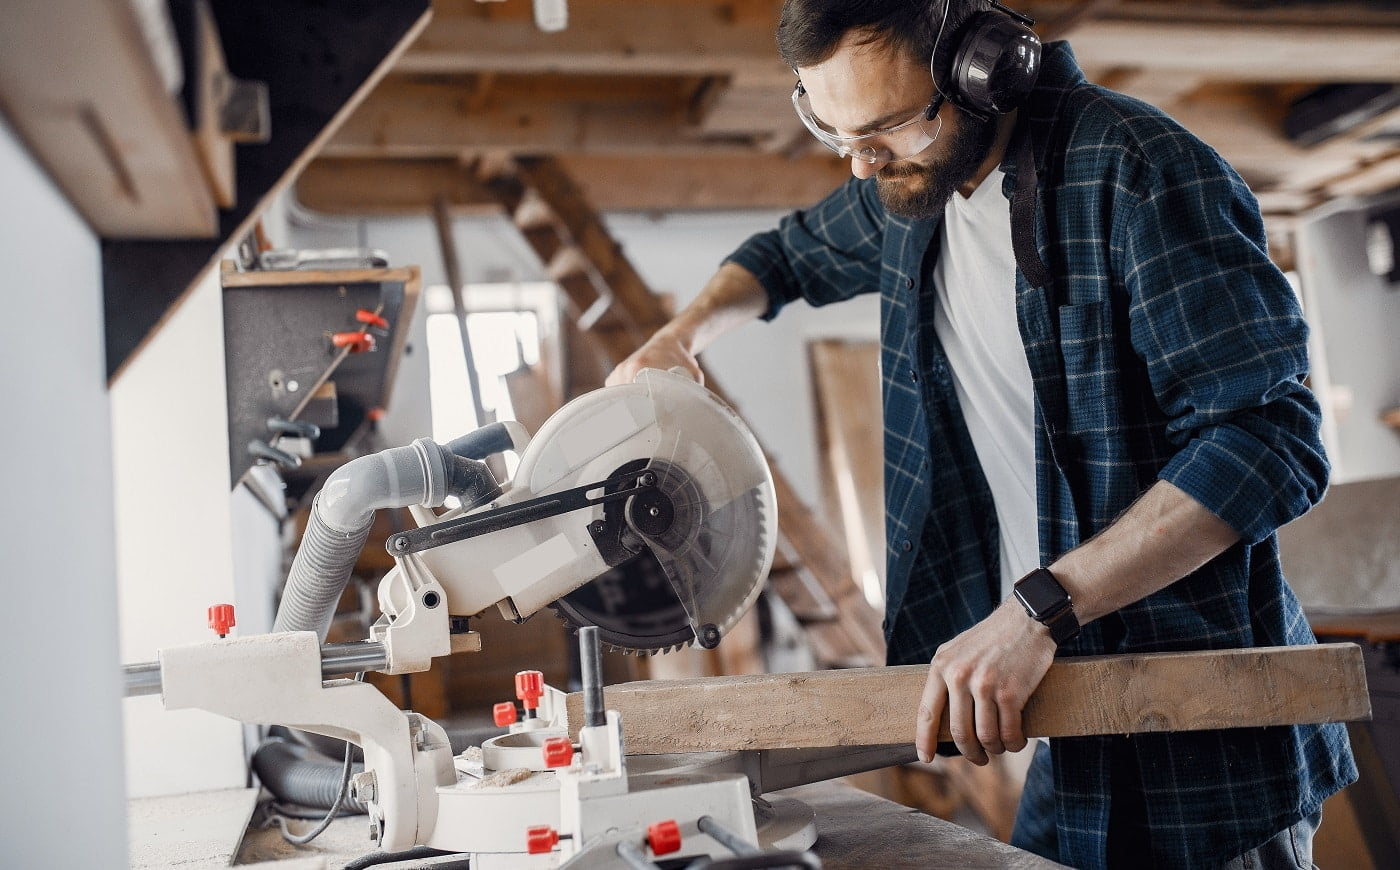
(422, 473)
(319, 573)
(293, 779)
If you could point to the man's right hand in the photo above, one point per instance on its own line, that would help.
(662, 351)
(730, 299)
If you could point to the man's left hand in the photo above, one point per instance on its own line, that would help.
(983, 678)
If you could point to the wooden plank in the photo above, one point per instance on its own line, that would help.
(1243, 51)
(850, 423)
(262, 278)
(702, 38)
(369, 186)
(411, 118)
(1376, 627)
(603, 37)
(1123, 694)
(858, 830)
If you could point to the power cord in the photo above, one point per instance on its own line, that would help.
(302, 839)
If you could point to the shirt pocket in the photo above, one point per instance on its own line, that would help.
(1091, 374)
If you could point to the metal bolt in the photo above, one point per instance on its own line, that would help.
(401, 544)
(364, 787)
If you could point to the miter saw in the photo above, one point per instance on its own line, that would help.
(657, 470)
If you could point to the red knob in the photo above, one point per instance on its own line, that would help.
(504, 714)
(358, 342)
(221, 618)
(664, 837)
(541, 839)
(558, 752)
(529, 686)
(370, 318)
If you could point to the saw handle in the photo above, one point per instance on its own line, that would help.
(487, 441)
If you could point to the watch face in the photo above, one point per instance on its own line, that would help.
(1040, 591)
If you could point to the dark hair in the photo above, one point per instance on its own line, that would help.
(809, 30)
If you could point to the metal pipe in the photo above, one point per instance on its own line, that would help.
(591, 663)
(142, 679)
(634, 857)
(725, 837)
(337, 660)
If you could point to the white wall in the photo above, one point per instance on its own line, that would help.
(1356, 364)
(60, 738)
(174, 546)
(762, 367)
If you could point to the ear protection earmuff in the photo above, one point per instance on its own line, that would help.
(996, 62)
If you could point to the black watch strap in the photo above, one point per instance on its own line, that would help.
(1047, 602)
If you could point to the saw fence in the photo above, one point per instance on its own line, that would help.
(1121, 694)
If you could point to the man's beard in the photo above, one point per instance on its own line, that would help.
(935, 181)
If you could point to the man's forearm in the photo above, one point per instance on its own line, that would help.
(1164, 536)
(730, 299)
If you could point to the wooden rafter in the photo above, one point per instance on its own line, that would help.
(362, 186)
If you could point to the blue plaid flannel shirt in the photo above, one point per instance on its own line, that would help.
(1167, 347)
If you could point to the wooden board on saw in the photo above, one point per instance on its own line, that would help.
(1120, 694)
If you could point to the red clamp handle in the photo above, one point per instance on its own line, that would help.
(664, 837)
(358, 342)
(221, 618)
(504, 713)
(529, 688)
(541, 839)
(558, 752)
(369, 318)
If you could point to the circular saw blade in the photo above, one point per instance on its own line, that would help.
(711, 476)
(633, 607)
(715, 555)
(705, 522)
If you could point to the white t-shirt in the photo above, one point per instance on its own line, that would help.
(975, 319)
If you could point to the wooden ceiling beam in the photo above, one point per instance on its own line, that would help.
(1242, 52)
(703, 38)
(1245, 128)
(603, 36)
(1327, 13)
(755, 181)
(412, 118)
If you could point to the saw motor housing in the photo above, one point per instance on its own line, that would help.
(659, 464)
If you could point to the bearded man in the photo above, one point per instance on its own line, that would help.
(1095, 415)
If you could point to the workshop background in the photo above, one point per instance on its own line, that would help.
(555, 173)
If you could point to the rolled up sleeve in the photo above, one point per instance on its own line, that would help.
(823, 254)
(1225, 344)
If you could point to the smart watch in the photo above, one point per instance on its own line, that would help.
(1047, 602)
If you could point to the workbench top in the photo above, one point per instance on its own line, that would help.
(856, 831)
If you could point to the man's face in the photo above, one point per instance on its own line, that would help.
(864, 87)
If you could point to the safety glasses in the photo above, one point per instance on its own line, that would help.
(888, 145)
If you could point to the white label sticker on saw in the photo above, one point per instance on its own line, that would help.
(608, 427)
(535, 563)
